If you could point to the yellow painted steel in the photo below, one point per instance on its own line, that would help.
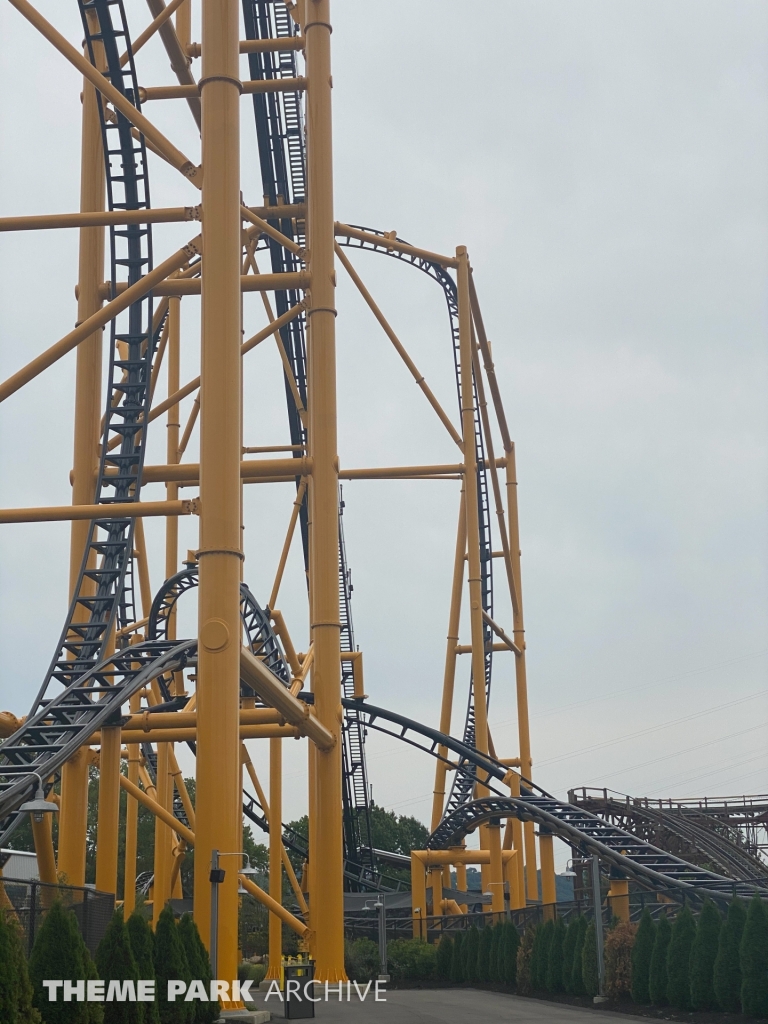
(618, 898)
(42, 833)
(131, 824)
(275, 858)
(219, 812)
(326, 847)
(496, 871)
(161, 886)
(108, 821)
(547, 854)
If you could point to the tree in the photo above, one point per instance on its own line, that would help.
(568, 947)
(495, 957)
(115, 962)
(642, 951)
(444, 957)
(510, 943)
(10, 987)
(142, 946)
(727, 971)
(457, 959)
(57, 954)
(199, 967)
(619, 946)
(25, 1010)
(703, 956)
(554, 978)
(754, 960)
(541, 955)
(657, 984)
(470, 952)
(525, 962)
(484, 954)
(170, 965)
(577, 977)
(589, 969)
(679, 960)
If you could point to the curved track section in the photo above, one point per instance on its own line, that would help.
(586, 832)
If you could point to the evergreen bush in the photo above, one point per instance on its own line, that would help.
(727, 973)
(57, 954)
(411, 960)
(443, 959)
(457, 959)
(554, 978)
(115, 962)
(657, 984)
(199, 967)
(361, 960)
(484, 954)
(10, 987)
(524, 965)
(619, 945)
(25, 1010)
(568, 947)
(495, 971)
(542, 961)
(577, 976)
(170, 965)
(642, 951)
(470, 952)
(703, 955)
(754, 960)
(589, 971)
(142, 946)
(679, 960)
(510, 944)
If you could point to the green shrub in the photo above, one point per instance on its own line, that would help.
(679, 960)
(484, 954)
(619, 944)
(199, 967)
(256, 973)
(577, 976)
(657, 984)
(469, 954)
(703, 955)
(142, 945)
(443, 958)
(754, 960)
(642, 951)
(170, 965)
(495, 970)
(542, 961)
(589, 970)
(25, 1010)
(411, 960)
(457, 958)
(10, 983)
(115, 962)
(361, 960)
(57, 954)
(554, 979)
(727, 973)
(568, 947)
(509, 945)
(524, 971)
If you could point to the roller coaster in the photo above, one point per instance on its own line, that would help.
(121, 685)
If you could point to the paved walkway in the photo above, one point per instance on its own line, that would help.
(452, 1006)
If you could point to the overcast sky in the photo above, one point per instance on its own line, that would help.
(606, 165)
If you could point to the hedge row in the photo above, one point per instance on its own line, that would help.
(128, 952)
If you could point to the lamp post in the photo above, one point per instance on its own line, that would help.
(382, 909)
(598, 905)
(216, 877)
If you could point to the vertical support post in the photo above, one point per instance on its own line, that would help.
(326, 851)
(496, 870)
(275, 858)
(597, 901)
(514, 877)
(449, 673)
(131, 823)
(436, 882)
(418, 895)
(184, 24)
(172, 458)
(382, 907)
(74, 776)
(46, 861)
(108, 822)
(215, 879)
(618, 897)
(161, 887)
(521, 682)
(548, 884)
(461, 884)
(513, 836)
(218, 810)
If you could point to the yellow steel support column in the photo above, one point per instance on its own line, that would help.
(163, 862)
(42, 835)
(172, 458)
(436, 884)
(108, 825)
(275, 856)
(74, 776)
(495, 869)
(513, 835)
(218, 809)
(449, 674)
(518, 635)
(618, 898)
(461, 883)
(131, 823)
(548, 885)
(326, 854)
(418, 895)
(513, 875)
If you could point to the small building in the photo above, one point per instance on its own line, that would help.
(19, 864)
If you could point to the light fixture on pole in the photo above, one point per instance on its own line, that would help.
(39, 806)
